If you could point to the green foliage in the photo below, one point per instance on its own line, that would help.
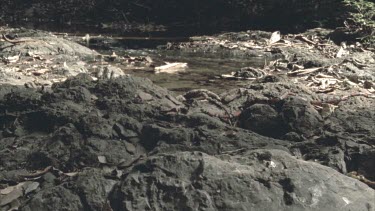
(362, 19)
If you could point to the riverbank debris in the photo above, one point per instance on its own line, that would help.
(171, 67)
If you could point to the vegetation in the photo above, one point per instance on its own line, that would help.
(361, 20)
(272, 14)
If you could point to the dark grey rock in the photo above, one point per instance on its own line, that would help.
(94, 189)
(170, 155)
(56, 198)
(259, 180)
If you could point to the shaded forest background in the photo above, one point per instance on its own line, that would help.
(282, 14)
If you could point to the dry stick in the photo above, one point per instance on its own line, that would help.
(300, 37)
(305, 71)
(141, 5)
(15, 41)
(37, 174)
(337, 101)
(124, 16)
(125, 38)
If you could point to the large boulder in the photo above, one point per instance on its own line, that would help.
(255, 180)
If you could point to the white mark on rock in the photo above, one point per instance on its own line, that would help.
(272, 164)
(346, 200)
(316, 193)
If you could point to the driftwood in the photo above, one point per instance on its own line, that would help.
(171, 67)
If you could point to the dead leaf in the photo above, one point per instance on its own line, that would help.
(102, 159)
(321, 75)
(327, 109)
(12, 59)
(9, 189)
(12, 195)
(14, 205)
(275, 37)
(340, 52)
(71, 174)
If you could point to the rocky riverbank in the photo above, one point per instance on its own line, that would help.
(299, 136)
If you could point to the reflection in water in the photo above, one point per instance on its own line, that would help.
(202, 72)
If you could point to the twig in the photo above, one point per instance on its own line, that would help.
(302, 38)
(338, 100)
(37, 174)
(305, 71)
(15, 41)
(233, 151)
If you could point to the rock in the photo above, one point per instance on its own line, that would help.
(263, 119)
(56, 198)
(94, 189)
(270, 179)
(109, 72)
(45, 44)
(130, 147)
(70, 69)
(301, 117)
(249, 72)
(31, 187)
(186, 152)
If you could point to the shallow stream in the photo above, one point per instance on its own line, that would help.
(203, 70)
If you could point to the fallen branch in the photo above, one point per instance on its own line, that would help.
(171, 67)
(4, 37)
(305, 71)
(305, 39)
